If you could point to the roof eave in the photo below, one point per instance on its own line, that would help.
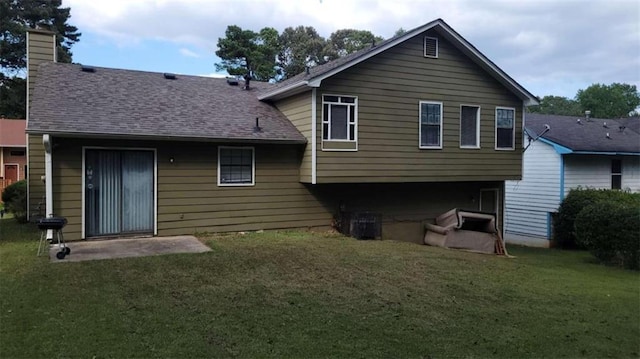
(286, 91)
(167, 138)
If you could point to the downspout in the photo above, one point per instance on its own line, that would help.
(48, 180)
(313, 136)
(561, 177)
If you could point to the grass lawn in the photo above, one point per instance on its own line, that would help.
(301, 295)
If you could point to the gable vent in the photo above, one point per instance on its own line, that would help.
(431, 47)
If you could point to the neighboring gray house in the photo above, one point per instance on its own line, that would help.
(574, 152)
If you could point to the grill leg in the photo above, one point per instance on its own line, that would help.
(43, 236)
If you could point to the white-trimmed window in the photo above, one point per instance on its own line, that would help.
(616, 174)
(469, 126)
(505, 128)
(431, 47)
(236, 166)
(430, 124)
(339, 118)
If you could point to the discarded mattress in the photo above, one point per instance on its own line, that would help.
(469, 230)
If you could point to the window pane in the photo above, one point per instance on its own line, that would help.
(616, 166)
(325, 113)
(330, 98)
(339, 122)
(505, 137)
(348, 99)
(430, 135)
(468, 126)
(430, 114)
(505, 118)
(616, 182)
(325, 131)
(236, 165)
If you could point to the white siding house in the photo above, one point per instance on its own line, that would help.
(564, 158)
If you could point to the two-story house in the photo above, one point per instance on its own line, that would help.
(409, 128)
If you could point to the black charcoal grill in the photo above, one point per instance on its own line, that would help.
(54, 224)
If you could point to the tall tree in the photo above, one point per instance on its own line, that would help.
(609, 101)
(245, 52)
(299, 47)
(557, 105)
(16, 16)
(347, 41)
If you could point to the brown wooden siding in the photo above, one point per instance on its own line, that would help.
(189, 199)
(389, 87)
(298, 110)
(40, 49)
(35, 169)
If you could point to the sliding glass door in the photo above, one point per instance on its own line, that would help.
(119, 192)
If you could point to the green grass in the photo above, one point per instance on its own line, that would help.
(299, 294)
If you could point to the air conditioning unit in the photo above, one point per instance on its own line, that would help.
(361, 225)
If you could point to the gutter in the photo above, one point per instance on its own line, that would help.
(298, 86)
(169, 138)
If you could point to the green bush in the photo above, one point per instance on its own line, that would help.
(14, 197)
(611, 232)
(564, 235)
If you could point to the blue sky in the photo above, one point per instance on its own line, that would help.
(550, 47)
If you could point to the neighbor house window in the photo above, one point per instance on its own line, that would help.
(430, 124)
(505, 128)
(339, 118)
(616, 174)
(469, 126)
(236, 166)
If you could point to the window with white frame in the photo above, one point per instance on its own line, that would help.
(236, 166)
(339, 118)
(616, 174)
(505, 128)
(430, 124)
(469, 126)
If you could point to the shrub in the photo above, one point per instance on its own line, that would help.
(609, 229)
(564, 222)
(14, 197)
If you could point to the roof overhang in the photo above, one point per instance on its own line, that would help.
(444, 29)
(94, 135)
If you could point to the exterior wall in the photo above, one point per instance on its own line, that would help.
(405, 207)
(35, 173)
(389, 87)
(189, 199)
(529, 201)
(594, 171)
(298, 110)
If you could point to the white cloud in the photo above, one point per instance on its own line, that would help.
(532, 40)
(188, 53)
(216, 75)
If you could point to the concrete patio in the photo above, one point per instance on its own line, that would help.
(128, 247)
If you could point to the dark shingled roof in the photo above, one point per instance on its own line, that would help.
(138, 104)
(587, 135)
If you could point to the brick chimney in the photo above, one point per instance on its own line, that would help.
(41, 47)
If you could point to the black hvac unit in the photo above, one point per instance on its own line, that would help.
(361, 225)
